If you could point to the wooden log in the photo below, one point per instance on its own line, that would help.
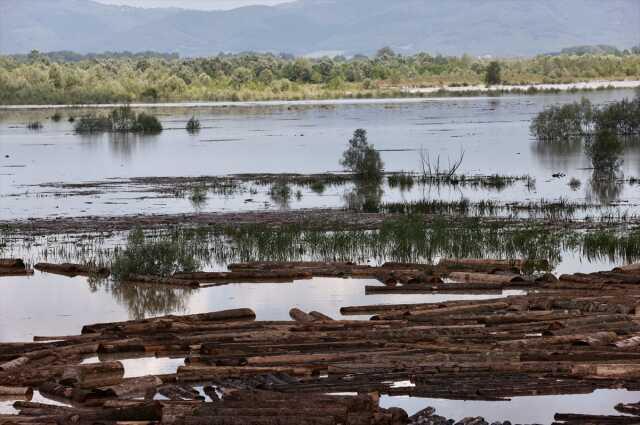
(607, 371)
(481, 264)
(128, 388)
(93, 375)
(16, 391)
(12, 263)
(633, 268)
(8, 272)
(15, 363)
(72, 270)
(200, 374)
(158, 280)
(484, 277)
(244, 276)
(442, 287)
(300, 316)
(320, 316)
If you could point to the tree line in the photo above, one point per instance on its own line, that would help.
(69, 78)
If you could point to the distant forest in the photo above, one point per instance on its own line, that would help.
(71, 78)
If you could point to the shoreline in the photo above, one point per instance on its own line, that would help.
(413, 95)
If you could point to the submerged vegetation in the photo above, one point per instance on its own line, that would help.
(49, 79)
(120, 120)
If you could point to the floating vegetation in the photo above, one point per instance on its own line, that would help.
(193, 125)
(121, 120)
(575, 184)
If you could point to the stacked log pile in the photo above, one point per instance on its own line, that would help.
(545, 342)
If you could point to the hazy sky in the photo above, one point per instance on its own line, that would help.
(193, 4)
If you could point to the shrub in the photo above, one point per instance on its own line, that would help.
(604, 150)
(193, 125)
(493, 75)
(146, 123)
(56, 117)
(91, 123)
(362, 158)
(563, 122)
(161, 256)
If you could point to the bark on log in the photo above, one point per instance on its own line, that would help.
(158, 280)
(300, 316)
(12, 263)
(72, 270)
(16, 391)
(93, 375)
(484, 277)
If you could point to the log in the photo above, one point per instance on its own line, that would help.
(16, 391)
(607, 371)
(484, 277)
(244, 276)
(8, 272)
(300, 316)
(320, 316)
(629, 268)
(12, 263)
(128, 388)
(93, 375)
(481, 264)
(72, 270)
(158, 280)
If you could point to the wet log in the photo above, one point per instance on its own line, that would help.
(72, 270)
(234, 315)
(481, 264)
(244, 276)
(629, 268)
(128, 388)
(578, 419)
(607, 371)
(628, 408)
(159, 280)
(14, 364)
(320, 316)
(12, 263)
(16, 391)
(206, 373)
(179, 392)
(485, 277)
(56, 391)
(441, 287)
(8, 272)
(300, 316)
(93, 375)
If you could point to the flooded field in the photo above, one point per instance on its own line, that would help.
(220, 197)
(493, 134)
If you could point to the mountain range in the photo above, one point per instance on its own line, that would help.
(303, 27)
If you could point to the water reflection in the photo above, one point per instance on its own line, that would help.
(604, 188)
(143, 300)
(365, 196)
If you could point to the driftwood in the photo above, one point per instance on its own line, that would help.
(159, 280)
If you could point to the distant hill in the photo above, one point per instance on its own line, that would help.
(478, 27)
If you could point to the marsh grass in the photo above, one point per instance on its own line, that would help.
(120, 120)
(159, 256)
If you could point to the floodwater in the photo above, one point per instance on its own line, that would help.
(493, 133)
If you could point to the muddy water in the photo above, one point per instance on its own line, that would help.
(493, 133)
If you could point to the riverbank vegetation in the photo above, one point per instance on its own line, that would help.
(120, 120)
(45, 79)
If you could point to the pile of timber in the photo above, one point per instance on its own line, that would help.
(248, 408)
(14, 267)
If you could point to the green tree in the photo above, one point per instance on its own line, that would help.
(493, 74)
(362, 158)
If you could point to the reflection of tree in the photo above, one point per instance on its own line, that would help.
(559, 154)
(604, 187)
(365, 196)
(144, 301)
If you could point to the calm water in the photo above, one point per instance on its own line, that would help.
(493, 133)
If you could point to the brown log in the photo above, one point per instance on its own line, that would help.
(320, 316)
(12, 263)
(93, 375)
(244, 276)
(72, 270)
(484, 277)
(629, 268)
(8, 272)
(199, 374)
(481, 264)
(300, 316)
(158, 280)
(16, 391)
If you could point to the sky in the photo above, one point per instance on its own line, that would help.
(193, 4)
